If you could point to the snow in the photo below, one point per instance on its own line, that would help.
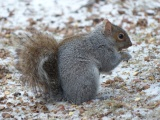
(154, 90)
(137, 99)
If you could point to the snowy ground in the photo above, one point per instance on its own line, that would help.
(133, 88)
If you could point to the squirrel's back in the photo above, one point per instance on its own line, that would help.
(37, 61)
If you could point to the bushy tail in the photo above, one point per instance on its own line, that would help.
(37, 61)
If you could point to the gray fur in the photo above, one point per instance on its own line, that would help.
(81, 60)
(71, 69)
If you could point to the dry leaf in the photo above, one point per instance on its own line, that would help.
(137, 99)
(2, 108)
(61, 108)
(6, 115)
(7, 92)
(118, 79)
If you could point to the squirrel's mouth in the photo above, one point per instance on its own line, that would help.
(125, 47)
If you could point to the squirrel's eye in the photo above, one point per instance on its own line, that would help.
(121, 36)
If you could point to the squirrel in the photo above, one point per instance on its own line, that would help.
(70, 69)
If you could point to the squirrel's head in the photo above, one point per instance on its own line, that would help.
(118, 35)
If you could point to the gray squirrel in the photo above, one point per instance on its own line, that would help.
(70, 69)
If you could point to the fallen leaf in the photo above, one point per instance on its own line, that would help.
(61, 108)
(137, 99)
(118, 79)
(142, 22)
(6, 92)
(107, 83)
(2, 108)
(71, 113)
(16, 94)
(146, 87)
(8, 76)
(137, 80)
(6, 115)
(135, 73)
(151, 78)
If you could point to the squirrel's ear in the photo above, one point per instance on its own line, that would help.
(107, 27)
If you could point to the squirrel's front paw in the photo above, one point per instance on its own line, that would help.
(125, 56)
